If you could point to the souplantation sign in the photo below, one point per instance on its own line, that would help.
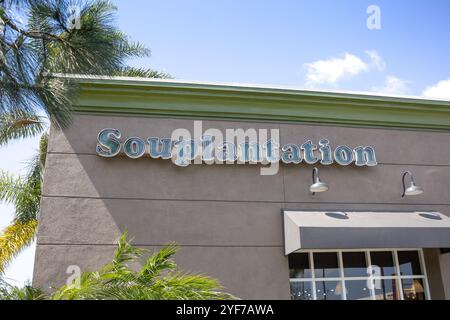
(208, 149)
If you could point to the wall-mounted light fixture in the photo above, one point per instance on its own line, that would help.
(317, 186)
(413, 189)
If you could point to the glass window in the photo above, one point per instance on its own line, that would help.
(346, 274)
(326, 265)
(329, 290)
(299, 266)
(387, 289)
(357, 290)
(354, 264)
(301, 290)
(409, 263)
(413, 289)
(384, 260)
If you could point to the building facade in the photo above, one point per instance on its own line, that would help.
(263, 234)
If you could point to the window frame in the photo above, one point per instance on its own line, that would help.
(342, 278)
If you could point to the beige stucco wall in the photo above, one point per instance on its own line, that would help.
(227, 218)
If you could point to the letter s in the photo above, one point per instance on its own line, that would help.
(108, 143)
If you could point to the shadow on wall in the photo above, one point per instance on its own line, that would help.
(226, 217)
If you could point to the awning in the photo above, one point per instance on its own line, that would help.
(368, 229)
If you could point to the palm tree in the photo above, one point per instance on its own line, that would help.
(24, 193)
(158, 279)
(48, 43)
(29, 57)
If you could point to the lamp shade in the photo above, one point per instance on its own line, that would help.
(413, 190)
(318, 186)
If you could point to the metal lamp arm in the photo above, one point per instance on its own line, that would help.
(403, 181)
(314, 173)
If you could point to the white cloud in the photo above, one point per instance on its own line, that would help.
(331, 71)
(440, 90)
(376, 60)
(393, 85)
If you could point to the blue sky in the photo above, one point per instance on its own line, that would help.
(271, 42)
(306, 44)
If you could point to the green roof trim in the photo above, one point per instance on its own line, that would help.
(171, 98)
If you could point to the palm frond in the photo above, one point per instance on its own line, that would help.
(141, 73)
(14, 239)
(36, 166)
(19, 124)
(26, 292)
(81, 289)
(11, 187)
(58, 96)
(158, 279)
(24, 194)
(179, 285)
(125, 253)
(159, 261)
(96, 47)
(42, 151)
